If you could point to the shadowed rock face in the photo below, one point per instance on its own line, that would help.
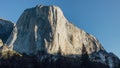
(6, 28)
(45, 29)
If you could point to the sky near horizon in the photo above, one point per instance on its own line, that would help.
(100, 18)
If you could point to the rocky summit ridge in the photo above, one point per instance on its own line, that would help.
(44, 29)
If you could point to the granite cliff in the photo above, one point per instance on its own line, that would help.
(44, 31)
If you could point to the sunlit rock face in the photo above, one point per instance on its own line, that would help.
(45, 29)
(6, 28)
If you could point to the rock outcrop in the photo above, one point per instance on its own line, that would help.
(1, 43)
(6, 28)
(44, 29)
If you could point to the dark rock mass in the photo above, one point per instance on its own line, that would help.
(6, 28)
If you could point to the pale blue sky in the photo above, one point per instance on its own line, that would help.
(100, 18)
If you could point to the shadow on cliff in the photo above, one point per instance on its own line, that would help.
(44, 60)
(48, 61)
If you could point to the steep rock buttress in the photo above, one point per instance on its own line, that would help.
(45, 29)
